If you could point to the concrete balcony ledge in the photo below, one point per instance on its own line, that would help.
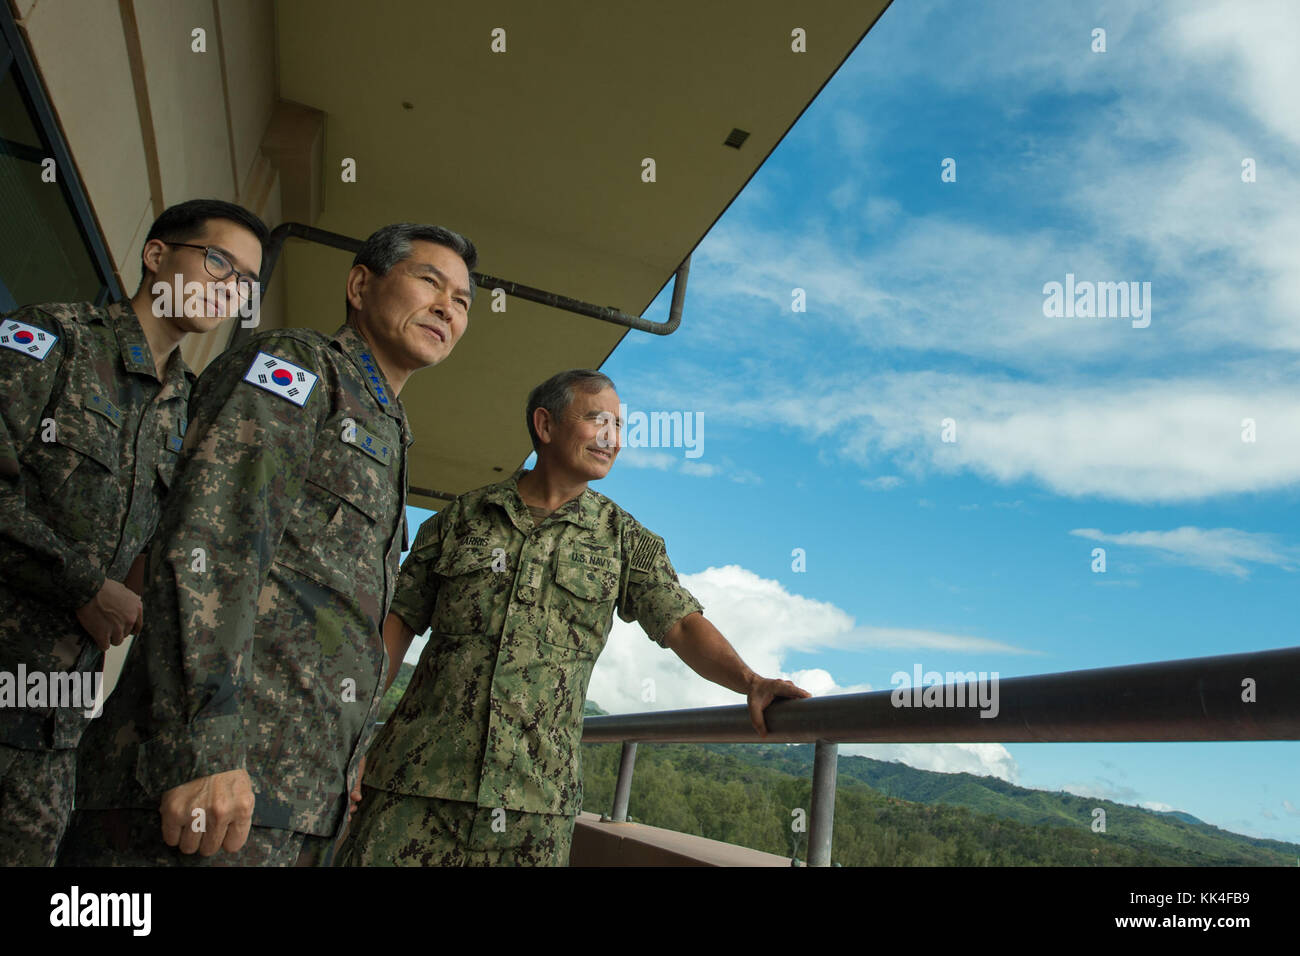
(635, 844)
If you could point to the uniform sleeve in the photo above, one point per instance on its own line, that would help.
(417, 587)
(649, 592)
(241, 473)
(33, 556)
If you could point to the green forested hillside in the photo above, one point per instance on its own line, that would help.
(888, 814)
(990, 795)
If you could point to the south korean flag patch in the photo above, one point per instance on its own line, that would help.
(27, 339)
(283, 378)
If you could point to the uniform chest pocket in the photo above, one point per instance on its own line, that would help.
(581, 611)
(167, 471)
(474, 585)
(76, 460)
(338, 533)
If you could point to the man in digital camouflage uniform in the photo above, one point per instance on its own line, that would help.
(243, 711)
(91, 423)
(519, 582)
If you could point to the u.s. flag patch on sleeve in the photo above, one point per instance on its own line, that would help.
(283, 378)
(27, 339)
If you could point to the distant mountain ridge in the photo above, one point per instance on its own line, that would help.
(1132, 836)
(997, 797)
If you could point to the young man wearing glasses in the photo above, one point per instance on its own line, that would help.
(91, 427)
(238, 726)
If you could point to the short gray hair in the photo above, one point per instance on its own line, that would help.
(388, 246)
(556, 394)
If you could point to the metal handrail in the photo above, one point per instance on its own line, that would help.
(1253, 696)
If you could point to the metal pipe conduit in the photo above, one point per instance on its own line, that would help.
(271, 255)
(1194, 699)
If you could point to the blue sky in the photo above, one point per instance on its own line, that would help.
(924, 302)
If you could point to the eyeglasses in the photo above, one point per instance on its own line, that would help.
(219, 266)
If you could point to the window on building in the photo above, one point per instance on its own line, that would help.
(50, 249)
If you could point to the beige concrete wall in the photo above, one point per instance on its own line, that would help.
(152, 120)
(80, 50)
(248, 45)
(186, 97)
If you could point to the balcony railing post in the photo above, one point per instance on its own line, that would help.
(822, 818)
(623, 789)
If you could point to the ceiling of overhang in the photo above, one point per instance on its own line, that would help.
(536, 154)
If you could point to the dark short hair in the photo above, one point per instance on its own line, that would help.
(388, 246)
(187, 220)
(556, 394)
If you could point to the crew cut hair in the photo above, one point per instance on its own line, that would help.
(186, 221)
(556, 394)
(388, 246)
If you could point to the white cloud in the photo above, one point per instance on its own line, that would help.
(670, 461)
(1103, 789)
(763, 620)
(1142, 185)
(1141, 441)
(699, 469)
(1259, 38)
(984, 760)
(883, 483)
(642, 458)
(844, 195)
(863, 638)
(766, 623)
(1223, 550)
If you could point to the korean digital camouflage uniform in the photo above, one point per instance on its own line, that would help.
(488, 731)
(88, 444)
(268, 581)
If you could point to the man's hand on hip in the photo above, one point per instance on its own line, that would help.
(226, 800)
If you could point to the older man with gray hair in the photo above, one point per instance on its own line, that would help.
(260, 667)
(519, 582)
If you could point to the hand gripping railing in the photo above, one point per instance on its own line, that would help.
(1253, 696)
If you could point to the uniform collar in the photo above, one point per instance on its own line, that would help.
(136, 355)
(349, 341)
(582, 511)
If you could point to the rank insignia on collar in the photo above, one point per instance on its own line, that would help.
(97, 403)
(282, 378)
(27, 339)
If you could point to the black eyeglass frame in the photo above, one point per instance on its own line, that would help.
(253, 281)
